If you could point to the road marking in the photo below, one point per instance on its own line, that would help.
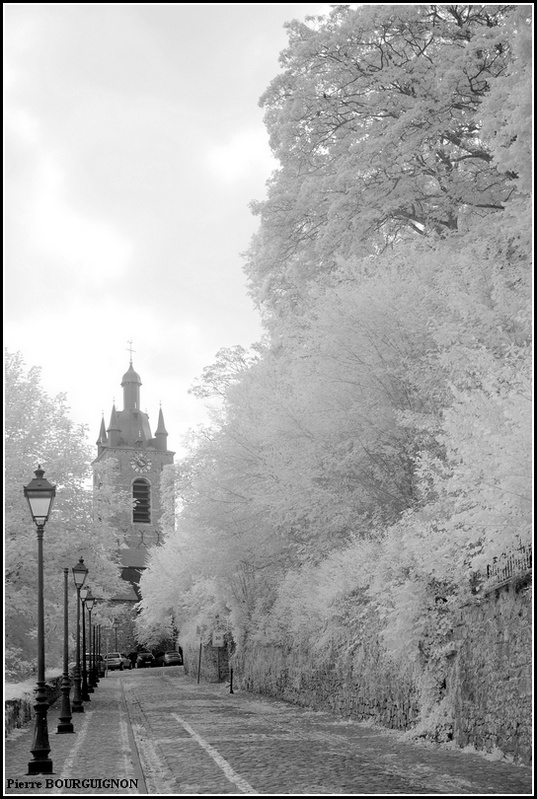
(231, 775)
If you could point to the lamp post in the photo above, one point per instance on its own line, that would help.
(85, 695)
(40, 494)
(98, 653)
(80, 572)
(93, 673)
(90, 602)
(66, 724)
(116, 627)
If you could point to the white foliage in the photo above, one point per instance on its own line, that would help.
(375, 455)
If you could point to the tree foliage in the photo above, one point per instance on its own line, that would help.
(375, 453)
(38, 431)
(376, 119)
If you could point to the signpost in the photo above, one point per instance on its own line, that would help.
(198, 631)
(218, 641)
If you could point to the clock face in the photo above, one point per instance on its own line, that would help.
(140, 463)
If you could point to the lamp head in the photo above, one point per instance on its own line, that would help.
(80, 572)
(40, 495)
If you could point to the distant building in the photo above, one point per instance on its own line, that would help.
(141, 458)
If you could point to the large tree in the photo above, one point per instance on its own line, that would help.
(376, 121)
(375, 452)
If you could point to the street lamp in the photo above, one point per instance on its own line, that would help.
(97, 653)
(85, 695)
(80, 572)
(95, 679)
(90, 602)
(40, 495)
(100, 648)
(66, 724)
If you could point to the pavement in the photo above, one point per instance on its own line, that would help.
(156, 732)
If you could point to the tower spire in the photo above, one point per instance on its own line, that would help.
(161, 434)
(103, 438)
(102, 441)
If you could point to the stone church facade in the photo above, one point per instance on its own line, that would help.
(140, 457)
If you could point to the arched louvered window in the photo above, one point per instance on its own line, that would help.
(141, 493)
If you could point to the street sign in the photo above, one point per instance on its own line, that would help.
(218, 638)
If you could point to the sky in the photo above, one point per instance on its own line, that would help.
(133, 145)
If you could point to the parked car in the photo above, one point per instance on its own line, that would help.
(100, 665)
(114, 661)
(143, 660)
(169, 659)
(126, 661)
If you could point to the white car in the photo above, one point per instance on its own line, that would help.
(114, 661)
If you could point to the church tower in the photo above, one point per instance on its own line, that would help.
(140, 458)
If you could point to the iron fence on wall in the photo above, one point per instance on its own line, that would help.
(510, 564)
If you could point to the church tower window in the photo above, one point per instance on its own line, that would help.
(141, 493)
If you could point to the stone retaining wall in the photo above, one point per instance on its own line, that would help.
(476, 692)
(352, 678)
(18, 712)
(491, 682)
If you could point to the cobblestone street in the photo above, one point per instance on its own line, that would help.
(159, 731)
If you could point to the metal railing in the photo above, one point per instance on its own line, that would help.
(510, 564)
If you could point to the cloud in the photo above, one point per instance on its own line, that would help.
(76, 243)
(247, 150)
(87, 248)
(24, 127)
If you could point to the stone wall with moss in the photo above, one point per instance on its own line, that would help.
(351, 675)
(471, 682)
(19, 711)
(491, 681)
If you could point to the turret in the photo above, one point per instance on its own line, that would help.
(114, 429)
(131, 383)
(161, 434)
(102, 441)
